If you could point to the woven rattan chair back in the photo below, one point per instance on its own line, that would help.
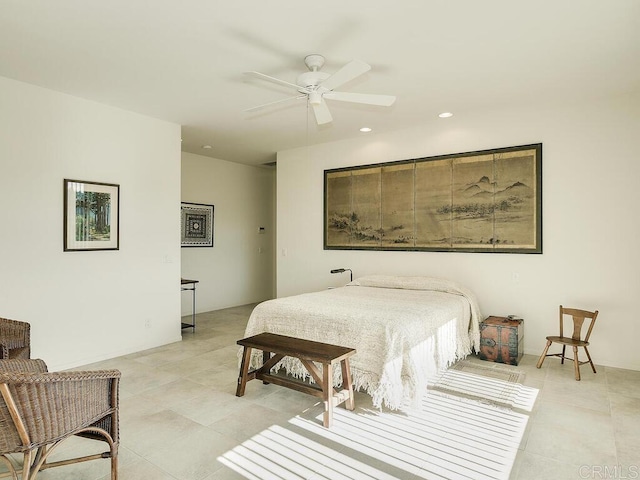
(15, 339)
(39, 410)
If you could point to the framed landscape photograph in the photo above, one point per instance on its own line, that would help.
(91, 216)
(196, 225)
(484, 201)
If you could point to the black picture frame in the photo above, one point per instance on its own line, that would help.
(487, 201)
(196, 225)
(91, 218)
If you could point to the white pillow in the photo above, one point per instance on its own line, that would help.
(407, 283)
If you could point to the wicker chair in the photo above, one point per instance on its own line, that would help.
(40, 410)
(15, 340)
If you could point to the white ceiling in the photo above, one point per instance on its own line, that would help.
(182, 61)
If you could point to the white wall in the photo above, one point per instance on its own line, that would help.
(87, 306)
(239, 269)
(590, 199)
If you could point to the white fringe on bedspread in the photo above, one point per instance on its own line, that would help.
(405, 330)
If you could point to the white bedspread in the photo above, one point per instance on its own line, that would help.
(403, 328)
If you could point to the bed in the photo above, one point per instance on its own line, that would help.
(405, 330)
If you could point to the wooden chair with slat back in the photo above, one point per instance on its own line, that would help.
(575, 340)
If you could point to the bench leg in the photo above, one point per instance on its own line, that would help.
(327, 394)
(265, 358)
(347, 384)
(244, 371)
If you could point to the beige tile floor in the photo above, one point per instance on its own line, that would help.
(181, 420)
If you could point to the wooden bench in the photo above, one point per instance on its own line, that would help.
(307, 352)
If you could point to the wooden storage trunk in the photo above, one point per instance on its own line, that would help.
(501, 340)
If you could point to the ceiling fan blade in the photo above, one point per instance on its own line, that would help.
(260, 107)
(367, 98)
(351, 70)
(322, 113)
(274, 80)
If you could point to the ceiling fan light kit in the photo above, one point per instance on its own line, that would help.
(319, 86)
(315, 98)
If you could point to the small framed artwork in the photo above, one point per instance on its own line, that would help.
(91, 216)
(196, 222)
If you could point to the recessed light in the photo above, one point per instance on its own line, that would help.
(365, 129)
(207, 147)
(446, 115)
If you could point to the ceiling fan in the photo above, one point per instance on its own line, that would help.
(319, 86)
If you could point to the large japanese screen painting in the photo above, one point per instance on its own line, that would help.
(487, 201)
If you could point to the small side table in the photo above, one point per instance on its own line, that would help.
(501, 340)
(184, 286)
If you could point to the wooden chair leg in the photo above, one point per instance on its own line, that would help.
(244, 371)
(114, 467)
(593, 367)
(576, 363)
(26, 465)
(563, 354)
(544, 354)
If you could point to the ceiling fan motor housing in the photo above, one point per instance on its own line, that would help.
(311, 80)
